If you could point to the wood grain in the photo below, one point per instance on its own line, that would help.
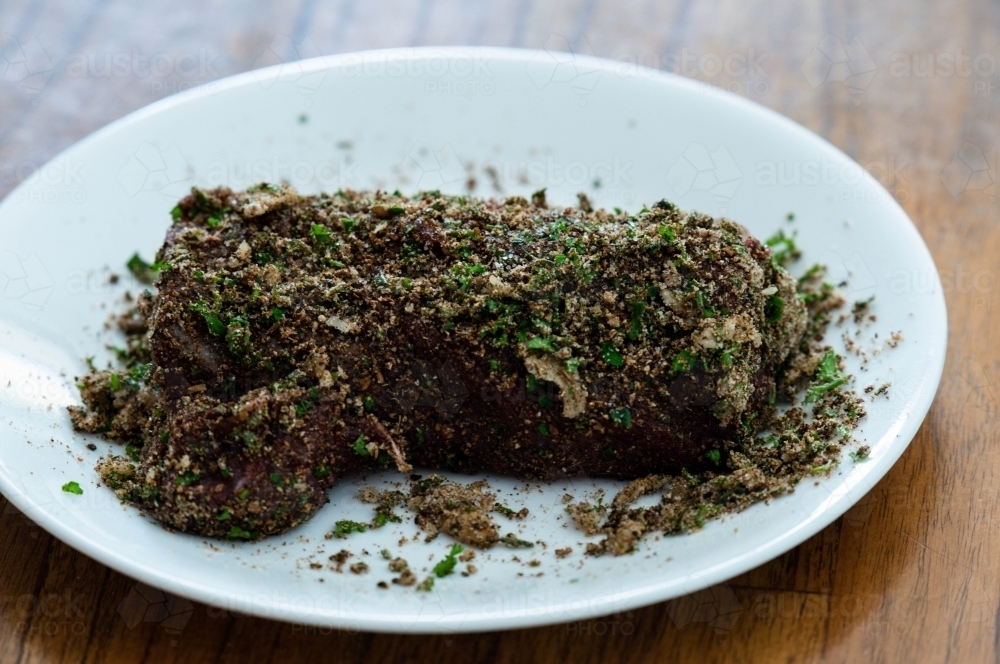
(909, 574)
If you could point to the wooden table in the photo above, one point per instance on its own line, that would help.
(909, 574)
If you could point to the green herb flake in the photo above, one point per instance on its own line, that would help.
(142, 270)
(540, 343)
(224, 515)
(72, 487)
(215, 324)
(512, 542)
(828, 377)
(622, 417)
(447, 566)
(360, 447)
(783, 248)
(237, 533)
(344, 528)
(863, 453)
(774, 309)
(187, 478)
(611, 356)
(683, 361)
(320, 233)
(714, 456)
(176, 213)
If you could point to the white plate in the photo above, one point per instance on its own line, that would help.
(413, 119)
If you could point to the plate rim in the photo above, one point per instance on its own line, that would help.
(840, 500)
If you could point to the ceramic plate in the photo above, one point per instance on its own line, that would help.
(515, 122)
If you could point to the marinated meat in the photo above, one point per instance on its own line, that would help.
(295, 339)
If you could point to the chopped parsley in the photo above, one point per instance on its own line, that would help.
(320, 233)
(828, 377)
(447, 566)
(360, 447)
(862, 454)
(622, 417)
(142, 270)
(72, 487)
(783, 248)
(774, 309)
(238, 533)
(187, 478)
(683, 361)
(344, 528)
(611, 356)
(215, 324)
(540, 343)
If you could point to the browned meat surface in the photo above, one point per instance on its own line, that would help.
(295, 339)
